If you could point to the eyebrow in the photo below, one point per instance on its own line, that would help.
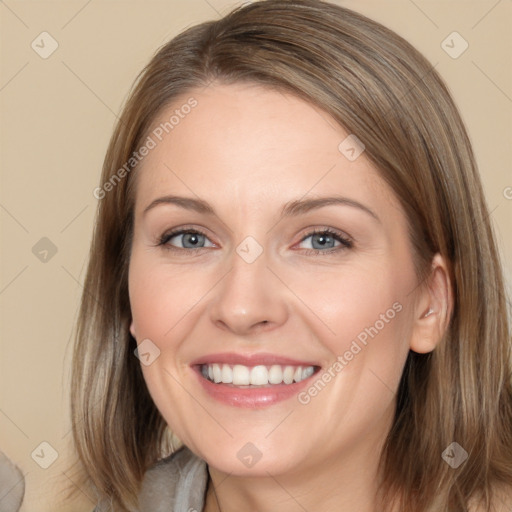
(290, 209)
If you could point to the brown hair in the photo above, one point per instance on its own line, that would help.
(378, 87)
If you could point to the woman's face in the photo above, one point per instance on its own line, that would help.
(255, 290)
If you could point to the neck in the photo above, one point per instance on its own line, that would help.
(345, 481)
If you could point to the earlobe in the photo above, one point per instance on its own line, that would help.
(434, 307)
(132, 329)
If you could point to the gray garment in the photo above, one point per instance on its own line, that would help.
(177, 483)
(12, 485)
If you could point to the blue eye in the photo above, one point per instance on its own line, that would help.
(190, 238)
(323, 241)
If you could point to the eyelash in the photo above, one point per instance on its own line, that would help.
(346, 243)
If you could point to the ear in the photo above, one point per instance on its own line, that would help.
(132, 329)
(433, 308)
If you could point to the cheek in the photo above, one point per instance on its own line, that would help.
(160, 298)
(366, 327)
(371, 322)
(355, 302)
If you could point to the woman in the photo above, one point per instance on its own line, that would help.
(294, 273)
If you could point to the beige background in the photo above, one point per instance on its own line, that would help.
(57, 115)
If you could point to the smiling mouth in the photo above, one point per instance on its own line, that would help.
(255, 376)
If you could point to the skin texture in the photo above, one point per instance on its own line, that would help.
(248, 150)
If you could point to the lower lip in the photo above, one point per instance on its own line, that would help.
(251, 398)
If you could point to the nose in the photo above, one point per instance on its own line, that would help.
(250, 298)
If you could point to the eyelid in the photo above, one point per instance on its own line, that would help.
(345, 241)
(326, 229)
(163, 239)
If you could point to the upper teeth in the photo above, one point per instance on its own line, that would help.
(260, 375)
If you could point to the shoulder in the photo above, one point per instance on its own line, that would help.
(12, 484)
(177, 482)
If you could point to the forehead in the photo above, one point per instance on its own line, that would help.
(254, 144)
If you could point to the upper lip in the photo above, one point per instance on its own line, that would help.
(265, 359)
